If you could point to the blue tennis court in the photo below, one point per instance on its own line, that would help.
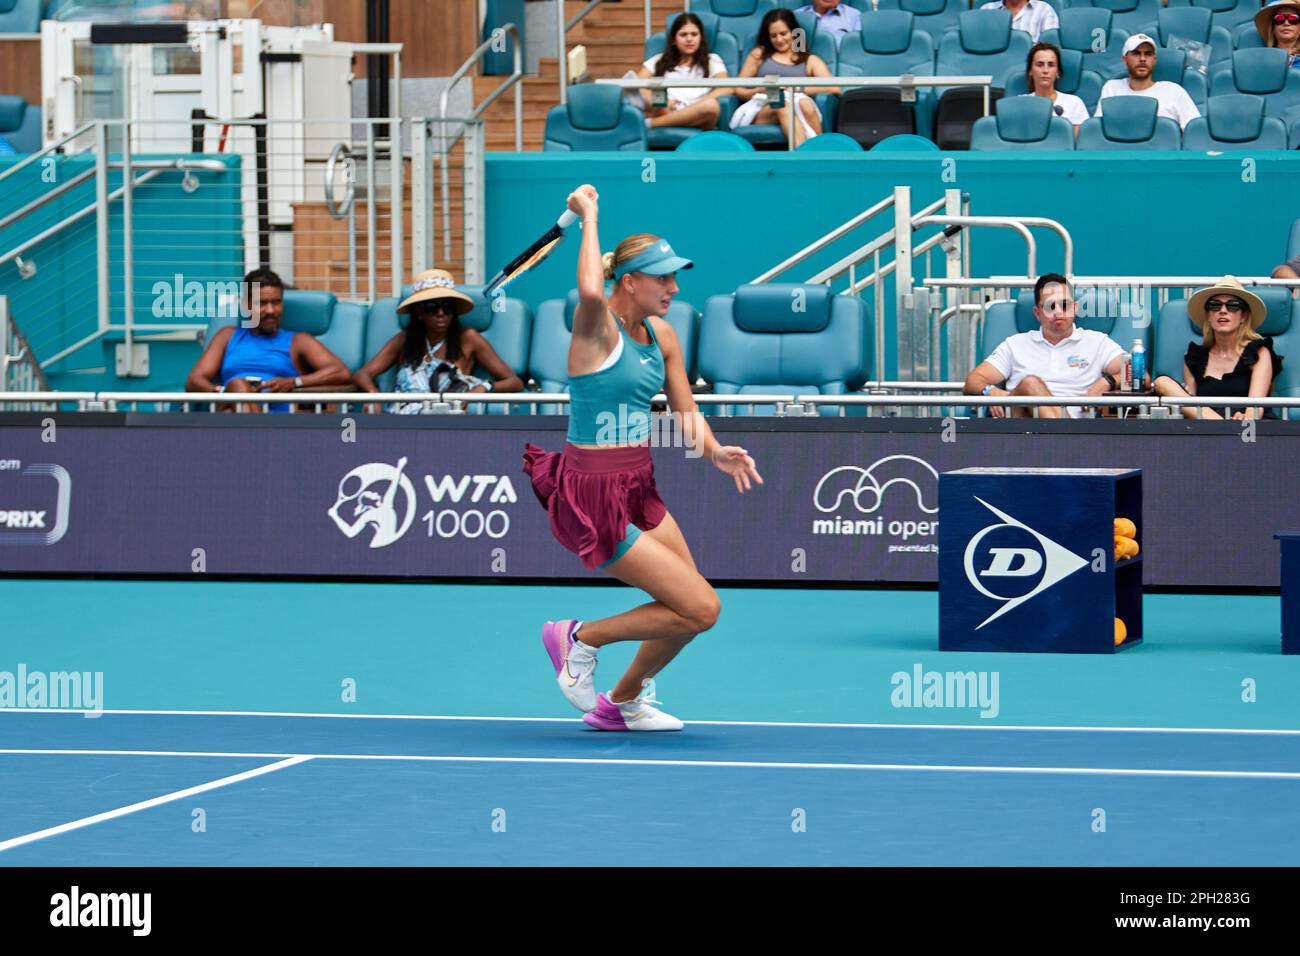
(222, 743)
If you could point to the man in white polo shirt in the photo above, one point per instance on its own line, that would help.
(1058, 358)
(1140, 61)
(1032, 16)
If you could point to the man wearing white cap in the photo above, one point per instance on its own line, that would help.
(1032, 16)
(1140, 61)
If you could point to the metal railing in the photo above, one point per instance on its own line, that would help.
(19, 370)
(908, 84)
(785, 404)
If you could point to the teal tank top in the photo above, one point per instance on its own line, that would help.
(612, 406)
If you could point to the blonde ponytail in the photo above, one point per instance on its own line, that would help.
(628, 249)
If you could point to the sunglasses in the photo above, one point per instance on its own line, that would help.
(1232, 305)
(1287, 18)
(438, 305)
(1054, 307)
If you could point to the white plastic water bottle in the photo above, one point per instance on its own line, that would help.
(1139, 361)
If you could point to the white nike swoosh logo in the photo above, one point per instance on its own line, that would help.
(663, 247)
(647, 359)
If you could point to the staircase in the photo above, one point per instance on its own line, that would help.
(614, 35)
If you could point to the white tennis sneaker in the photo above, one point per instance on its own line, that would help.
(575, 663)
(635, 714)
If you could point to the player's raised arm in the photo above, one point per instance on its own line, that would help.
(589, 317)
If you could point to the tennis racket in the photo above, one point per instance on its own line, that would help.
(533, 255)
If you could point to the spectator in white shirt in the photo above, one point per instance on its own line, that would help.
(686, 54)
(1058, 358)
(1032, 16)
(1041, 74)
(834, 16)
(1140, 61)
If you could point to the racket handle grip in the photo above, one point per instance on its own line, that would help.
(567, 220)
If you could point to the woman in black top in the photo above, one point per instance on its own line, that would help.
(1233, 360)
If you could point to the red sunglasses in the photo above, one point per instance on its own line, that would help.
(1290, 18)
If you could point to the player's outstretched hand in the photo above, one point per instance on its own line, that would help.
(735, 461)
(583, 201)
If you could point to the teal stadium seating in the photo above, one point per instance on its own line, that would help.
(1131, 16)
(596, 117)
(1194, 23)
(716, 141)
(1293, 241)
(548, 359)
(887, 45)
(758, 339)
(1174, 330)
(740, 18)
(829, 143)
(935, 17)
(20, 123)
(1235, 121)
(1262, 72)
(1084, 84)
(1246, 37)
(20, 16)
(983, 43)
(906, 143)
(1227, 13)
(1022, 123)
(1129, 122)
(1080, 29)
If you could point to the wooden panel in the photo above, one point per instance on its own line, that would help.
(20, 69)
(437, 35)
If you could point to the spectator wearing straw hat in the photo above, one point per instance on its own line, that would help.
(1140, 60)
(265, 357)
(434, 353)
(1279, 25)
(1232, 359)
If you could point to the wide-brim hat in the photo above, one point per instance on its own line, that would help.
(436, 284)
(1264, 18)
(1228, 285)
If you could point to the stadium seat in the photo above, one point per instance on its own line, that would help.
(1174, 330)
(740, 18)
(1235, 121)
(983, 43)
(1022, 123)
(715, 141)
(905, 143)
(1194, 23)
(825, 46)
(935, 17)
(1293, 241)
(596, 117)
(1080, 28)
(1262, 72)
(20, 16)
(20, 123)
(340, 326)
(756, 340)
(1131, 16)
(1246, 37)
(1084, 84)
(1130, 122)
(548, 359)
(1171, 66)
(1227, 13)
(886, 46)
(829, 143)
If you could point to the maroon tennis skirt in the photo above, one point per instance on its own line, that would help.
(592, 495)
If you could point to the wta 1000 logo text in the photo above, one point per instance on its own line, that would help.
(382, 499)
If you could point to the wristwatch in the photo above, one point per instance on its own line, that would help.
(986, 389)
(1110, 380)
(297, 381)
(488, 386)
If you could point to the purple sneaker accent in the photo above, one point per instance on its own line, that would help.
(557, 639)
(606, 716)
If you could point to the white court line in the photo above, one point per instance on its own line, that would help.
(703, 723)
(653, 762)
(147, 804)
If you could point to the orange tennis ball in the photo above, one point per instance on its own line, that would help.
(1121, 632)
(1125, 528)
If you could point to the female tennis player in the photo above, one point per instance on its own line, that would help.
(600, 490)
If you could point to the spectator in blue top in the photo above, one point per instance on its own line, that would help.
(834, 16)
(265, 357)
